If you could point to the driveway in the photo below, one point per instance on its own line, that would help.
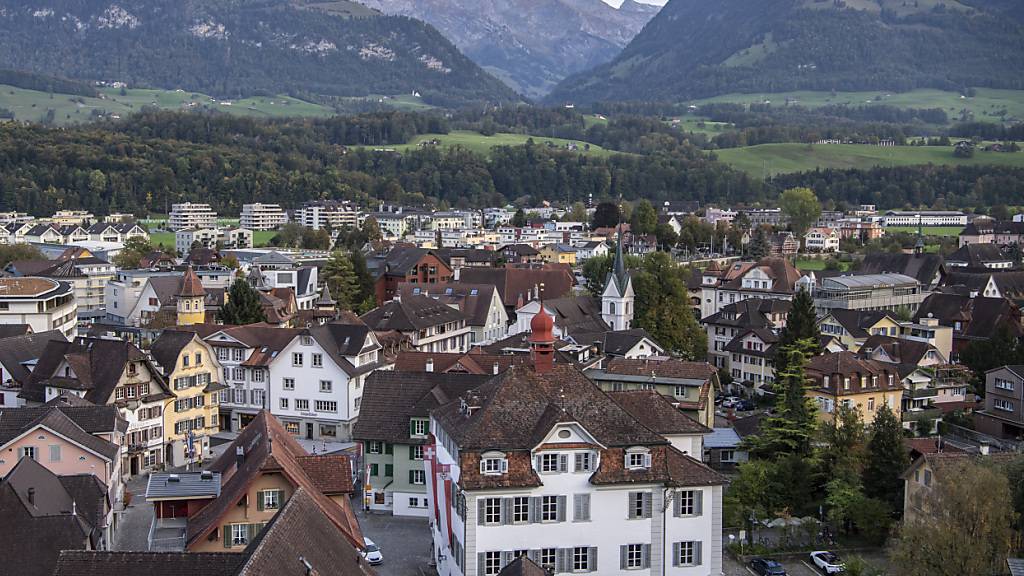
(404, 542)
(133, 528)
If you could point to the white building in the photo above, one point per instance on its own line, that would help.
(259, 216)
(618, 298)
(191, 215)
(767, 278)
(42, 303)
(821, 240)
(328, 214)
(316, 381)
(924, 218)
(269, 272)
(231, 238)
(578, 484)
(431, 326)
(481, 303)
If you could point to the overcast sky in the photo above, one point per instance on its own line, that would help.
(617, 3)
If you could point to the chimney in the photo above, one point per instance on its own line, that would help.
(984, 448)
(32, 496)
(239, 456)
(430, 365)
(495, 367)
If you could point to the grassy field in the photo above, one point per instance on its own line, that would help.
(259, 238)
(986, 105)
(815, 264)
(476, 142)
(33, 106)
(928, 230)
(699, 125)
(785, 158)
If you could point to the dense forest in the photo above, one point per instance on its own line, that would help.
(240, 48)
(695, 49)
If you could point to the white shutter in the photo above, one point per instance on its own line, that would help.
(698, 502)
(592, 559)
(562, 505)
(676, 546)
(578, 462)
(623, 554)
(697, 546)
(648, 504)
(563, 462)
(645, 556)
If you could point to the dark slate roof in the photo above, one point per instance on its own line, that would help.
(977, 255)
(16, 421)
(11, 330)
(922, 267)
(401, 259)
(15, 351)
(783, 275)
(340, 339)
(1016, 566)
(93, 563)
(476, 361)
(579, 317)
(98, 364)
(35, 533)
(166, 349)
(410, 314)
(520, 406)
(474, 300)
(523, 566)
(516, 283)
(89, 495)
(185, 485)
(856, 322)
(901, 351)
(979, 317)
(669, 368)
(391, 398)
(657, 413)
(749, 313)
(520, 250)
(618, 343)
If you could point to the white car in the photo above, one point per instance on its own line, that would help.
(371, 552)
(828, 562)
(730, 402)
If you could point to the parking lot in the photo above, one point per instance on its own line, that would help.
(801, 566)
(404, 542)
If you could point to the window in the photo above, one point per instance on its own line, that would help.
(846, 383)
(418, 427)
(584, 461)
(416, 452)
(493, 465)
(318, 360)
(239, 374)
(374, 447)
(1004, 405)
(55, 453)
(871, 404)
(549, 462)
(547, 558)
(549, 508)
(271, 499)
(520, 509)
(119, 393)
(417, 477)
(28, 452)
(1004, 384)
(633, 556)
(326, 386)
(414, 502)
(639, 505)
(727, 456)
(297, 359)
(306, 340)
(927, 477)
(258, 375)
(638, 459)
(687, 502)
(292, 427)
(301, 404)
(199, 358)
(492, 563)
(239, 534)
(492, 511)
(288, 384)
(581, 559)
(326, 406)
(687, 553)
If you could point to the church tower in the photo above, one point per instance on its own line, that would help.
(191, 300)
(617, 299)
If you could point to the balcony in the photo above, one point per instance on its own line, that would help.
(919, 415)
(921, 393)
(167, 534)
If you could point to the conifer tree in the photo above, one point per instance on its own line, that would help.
(243, 305)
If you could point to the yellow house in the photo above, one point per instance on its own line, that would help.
(192, 373)
(853, 327)
(559, 253)
(845, 379)
(191, 302)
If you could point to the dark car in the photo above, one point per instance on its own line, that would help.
(766, 567)
(746, 406)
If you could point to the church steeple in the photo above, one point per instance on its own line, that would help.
(191, 305)
(617, 299)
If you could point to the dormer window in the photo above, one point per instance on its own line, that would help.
(493, 463)
(418, 427)
(638, 458)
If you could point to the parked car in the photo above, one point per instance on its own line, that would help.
(766, 567)
(828, 562)
(745, 405)
(372, 552)
(730, 402)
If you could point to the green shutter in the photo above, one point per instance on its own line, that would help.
(412, 427)
(373, 470)
(259, 500)
(389, 470)
(412, 452)
(227, 535)
(389, 448)
(280, 499)
(411, 476)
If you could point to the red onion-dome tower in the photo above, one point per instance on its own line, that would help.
(542, 340)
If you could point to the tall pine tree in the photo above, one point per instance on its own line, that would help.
(801, 325)
(243, 305)
(887, 459)
(340, 276)
(789, 431)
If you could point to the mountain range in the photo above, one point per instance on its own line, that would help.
(701, 48)
(530, 44)
(232, 48)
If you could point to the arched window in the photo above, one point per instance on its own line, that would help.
(611, 307)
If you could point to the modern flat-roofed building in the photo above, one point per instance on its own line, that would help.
(869, 292)
(191, 215)
(924, 218)
(262, 216)
(42, 303)
(328, 214)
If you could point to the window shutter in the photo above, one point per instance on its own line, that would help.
(252, 531)
(504, 464)
(535, 509)
(592, 559)
(259, 500)
(630, 496)
(563, 462)
(675, 553)
(280, 498)
(562, 505)
(480, 512)
(389, 448)
(412, 456)
(647, 504)
(645, 556)
(647, 460)
(506, 510)
(227, 535)
(412, 427)
(698, 502)
(533, 555)
(561, 557)
(581, 507)
(412, 475)
(506, 558)
(536, 462)
(577, 462)
(623, 551)
(677, 504)
(481, 564)
(697, 552)
(625, 461)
